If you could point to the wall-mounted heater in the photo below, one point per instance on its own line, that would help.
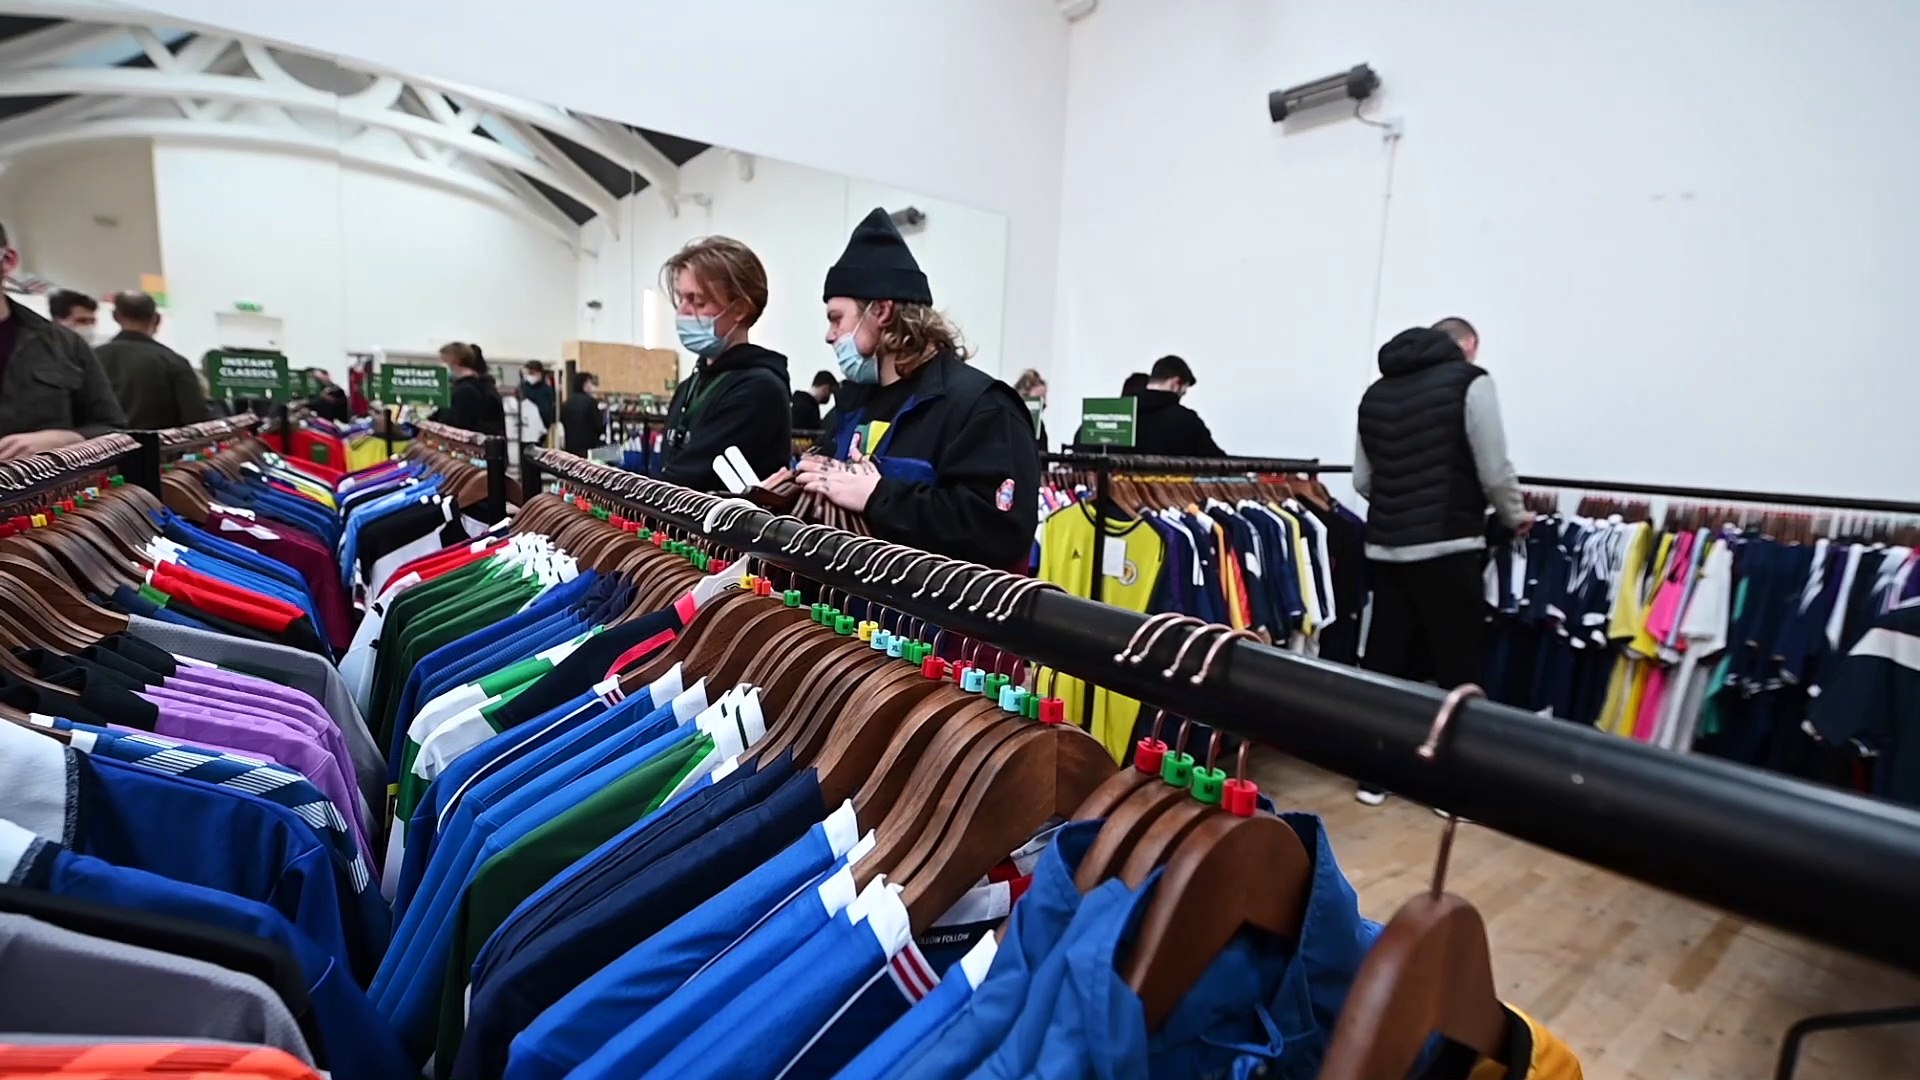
(1357, 84)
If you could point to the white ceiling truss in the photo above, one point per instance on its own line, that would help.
(223, 90)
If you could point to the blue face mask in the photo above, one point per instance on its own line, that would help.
(860, 369)
(857, 368)
(697, 334)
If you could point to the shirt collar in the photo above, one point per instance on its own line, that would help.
(1260, 1000)
(36, 783)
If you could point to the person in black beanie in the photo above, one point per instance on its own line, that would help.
(936, 454)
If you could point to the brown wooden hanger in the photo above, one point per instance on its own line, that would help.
(959, 748)
(1430, 971)
(60, 594)
(1225, 872)
(876, 795)
(1024, 782)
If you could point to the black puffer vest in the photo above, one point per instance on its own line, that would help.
(1413, 426)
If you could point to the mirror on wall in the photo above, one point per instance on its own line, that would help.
(350, 217)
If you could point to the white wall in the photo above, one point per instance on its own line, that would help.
(350, 259)
(1685, 231)
(797, 220)
(50, 204)
(960, 101)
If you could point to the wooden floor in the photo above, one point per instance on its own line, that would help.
(1643, 985)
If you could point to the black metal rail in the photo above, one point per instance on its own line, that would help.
(1707, 494)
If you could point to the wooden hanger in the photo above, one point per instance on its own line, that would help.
(1228, 872)
(1430, 971)
(1121, 785)
(876, 796)
(1127, 846)
(853, 750)
(60, 594)
(959, 747)
(1025, 782)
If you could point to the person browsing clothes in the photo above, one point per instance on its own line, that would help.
(935, 453)
(737, 393)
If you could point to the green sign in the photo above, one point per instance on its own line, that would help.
(1035, 406)
(414, 384)
(1108, 421)
(304, 386)
(252, 373)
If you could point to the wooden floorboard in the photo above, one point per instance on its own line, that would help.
(1642, 984)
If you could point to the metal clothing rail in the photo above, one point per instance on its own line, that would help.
(1704, 494)
(1198, 466)
(28, 478)
(1816, 861)
(490, 449)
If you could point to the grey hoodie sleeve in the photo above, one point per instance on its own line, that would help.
(1362, 469)
(1489, 441)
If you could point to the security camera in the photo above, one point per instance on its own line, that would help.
(911, 218)
(594, 305)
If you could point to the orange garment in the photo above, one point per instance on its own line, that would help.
(175, 1060)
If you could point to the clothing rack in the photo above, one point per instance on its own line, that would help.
(137, 456)
(1703, 494)
(490, 450)
(1826, 864)
(169, 444)
(25, 479)
(1103, 466)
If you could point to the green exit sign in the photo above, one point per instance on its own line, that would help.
(247, 306)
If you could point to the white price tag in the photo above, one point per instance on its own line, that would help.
(1113, 558)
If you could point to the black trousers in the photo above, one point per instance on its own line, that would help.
(1429, 619)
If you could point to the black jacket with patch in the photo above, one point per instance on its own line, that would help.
(738, 398)
(53, 381)
(961, 472)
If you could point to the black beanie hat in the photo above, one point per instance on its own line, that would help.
(877, 265)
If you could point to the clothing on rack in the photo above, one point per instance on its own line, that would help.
(610, 864)
(1700, 635)
(187, 796)
(643, 816)
(1252, 551)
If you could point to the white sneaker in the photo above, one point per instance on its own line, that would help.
(1369, 797)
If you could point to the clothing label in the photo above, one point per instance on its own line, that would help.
(609, 691)
(1113, 558)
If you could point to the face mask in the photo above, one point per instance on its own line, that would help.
(696, 333)
(857, 368)
(530, 380)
